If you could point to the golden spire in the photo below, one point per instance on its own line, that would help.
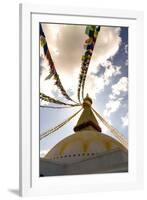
(87, 102)
(87, 119)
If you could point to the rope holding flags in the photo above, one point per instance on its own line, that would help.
(56, 107)
(44, 45)
(52, 100)
(113, 130)
(92, 31)
(52, 130)
(52, 72)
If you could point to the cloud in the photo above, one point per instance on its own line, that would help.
(110, 70)
(120, 86)
(42, 68)
(66, 47)
(106, 46)
(111, 96)
(115, 98)
(126, 48)
(96, 84)
(112, 106)
(125, 120)
(126, 62)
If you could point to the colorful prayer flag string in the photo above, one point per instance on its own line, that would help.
(53, 71)
(52, 100)
(52, 130)
(92, 32)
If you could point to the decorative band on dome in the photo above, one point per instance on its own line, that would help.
(82, 154)
(86, 124)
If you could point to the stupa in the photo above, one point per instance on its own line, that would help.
(86, 151)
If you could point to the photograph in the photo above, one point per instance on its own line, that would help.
(83, 95)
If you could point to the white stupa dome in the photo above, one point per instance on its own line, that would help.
(83, 145)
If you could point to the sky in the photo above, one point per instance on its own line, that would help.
(106, 82)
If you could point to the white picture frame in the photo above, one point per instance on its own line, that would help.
(30, 182)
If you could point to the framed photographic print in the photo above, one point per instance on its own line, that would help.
(80, 124)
